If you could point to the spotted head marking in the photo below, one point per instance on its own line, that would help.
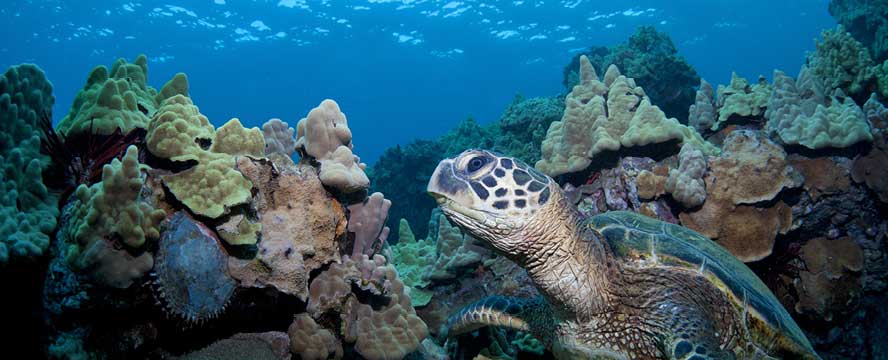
(488, 194)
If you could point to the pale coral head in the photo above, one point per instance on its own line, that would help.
(489, 195)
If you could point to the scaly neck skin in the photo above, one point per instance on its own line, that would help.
(569, 268)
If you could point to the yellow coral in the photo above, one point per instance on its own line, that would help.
(177, 130)
(233, 139)
(211, 187)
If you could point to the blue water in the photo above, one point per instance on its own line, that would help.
(399, 69)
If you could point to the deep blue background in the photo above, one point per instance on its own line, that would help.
(391, 91)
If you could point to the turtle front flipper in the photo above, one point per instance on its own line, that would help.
(530, 315)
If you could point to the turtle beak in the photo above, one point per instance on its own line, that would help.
(444, 183)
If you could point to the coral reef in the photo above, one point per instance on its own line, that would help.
(702, 114)
(192, 270)
(110, 217)
(650, 57)
(28, 210)
(605, 116)
(388, 330)
(867, 21)
(740, 102)
(751, 170)
(119, 99)
(324, 136)
(843, 63)
(802, 113)
(414, 259)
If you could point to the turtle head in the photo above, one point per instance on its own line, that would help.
(493, 197)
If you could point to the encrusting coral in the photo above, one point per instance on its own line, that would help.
(28, 210)
(751, 170)
(324, 135)
(605, 115)
(802, 113)
(832, 277)
(113, 211)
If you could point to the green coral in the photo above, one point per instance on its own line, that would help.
(455, 251)
(867, 21)
(739, 100)
(112, 211)
(414, 259)
(651, 58)
(211, 187)
(843, 63)
(27, 209)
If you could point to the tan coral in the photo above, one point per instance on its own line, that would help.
(301, 228)
(739, 100)
(650, 185)
(822, 175)
(606, 116)
(832, 279)
(311, 341)
(870, 168)
(367, 221)
(324, 135)
(234, 139)
(751, 170)
(686, 183)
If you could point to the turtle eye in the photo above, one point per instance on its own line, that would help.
(476, 163)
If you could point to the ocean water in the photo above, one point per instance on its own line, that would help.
(507, 203)
(400, 69)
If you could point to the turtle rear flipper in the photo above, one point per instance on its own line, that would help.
(530, 315)
(692, 336)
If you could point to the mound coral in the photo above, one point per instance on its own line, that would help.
(739, 101)
(802, 114)
(113, 212)
(701, 114)
(651, 58)
(686, 183)
(311, 341)
(28, 211)
(192, 270)
(117, 100)
(279, 138)
(179, 132)
(324, 136)
(367, 221)
(386, 327)
(740, 212)
(605, 116)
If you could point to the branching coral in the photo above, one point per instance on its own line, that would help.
(739, 100)
(455, 251)
(605, 116)
(28, 210)
(108, 212)
(843, 63)
(740, 212)
(800, 113)
(414, 259)
(324, 135)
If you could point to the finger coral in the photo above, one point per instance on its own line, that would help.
(324, 135)
(28, 211)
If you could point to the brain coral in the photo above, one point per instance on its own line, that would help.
(28, 211)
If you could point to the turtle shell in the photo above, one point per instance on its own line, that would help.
(635, 236)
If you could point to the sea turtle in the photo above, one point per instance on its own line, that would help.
(616, 285)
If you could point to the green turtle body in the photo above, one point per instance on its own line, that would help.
(618, 285)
